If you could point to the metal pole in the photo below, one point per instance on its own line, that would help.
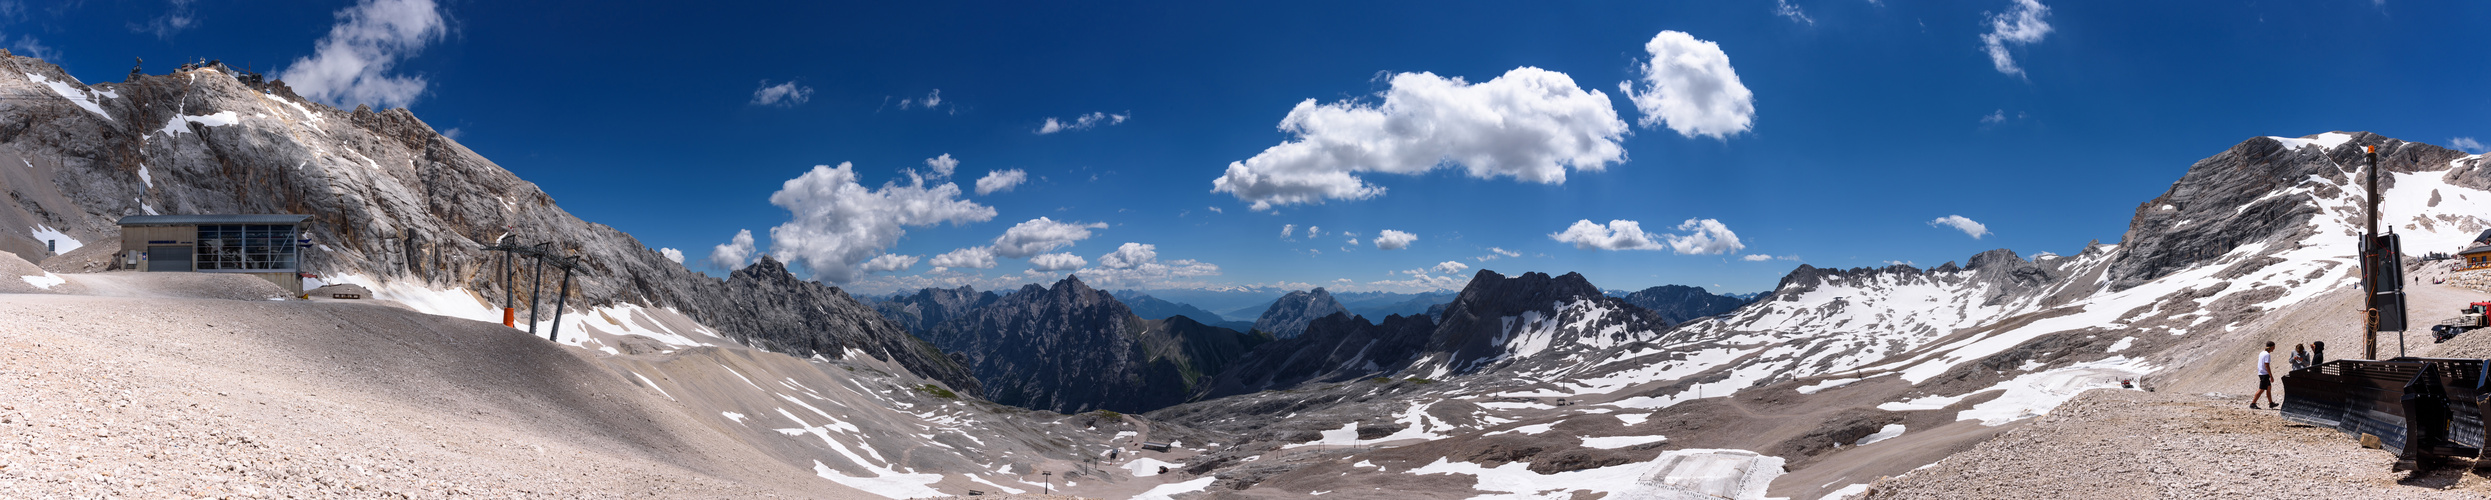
(559, 297)
(510, 288)
(2369, 266)
(536, 288)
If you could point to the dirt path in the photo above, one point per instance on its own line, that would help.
(2129, 444)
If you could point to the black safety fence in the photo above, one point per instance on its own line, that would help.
(2421, 409)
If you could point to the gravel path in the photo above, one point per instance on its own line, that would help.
(2129, 444)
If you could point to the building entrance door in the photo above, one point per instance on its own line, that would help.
(168, 258)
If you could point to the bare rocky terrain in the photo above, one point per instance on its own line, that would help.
(2131, 444)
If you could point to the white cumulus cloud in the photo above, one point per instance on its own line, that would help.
(351, 64)
(1494, 253)
(1530, 124)
(785, 95)
(2022, 24)
(1960, 223)
(1081, 122)
(732, 255)
(1135, 264)
(889, 262)
(1450, 267)
(1765, 257)
(1688, 85)
(1057, 262)
(971, 257)
(1288, 229)
(1314, 231)
(1042, 235)
(1393, 240)
(1702, 237)
(671, 254)
(1130, 255)
(942, 165)
(838, 223)
(1000, 180)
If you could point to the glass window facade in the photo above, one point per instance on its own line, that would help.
(246, 247)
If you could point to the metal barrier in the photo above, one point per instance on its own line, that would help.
(2421, 409)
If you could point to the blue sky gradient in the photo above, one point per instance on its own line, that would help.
(1871, 119)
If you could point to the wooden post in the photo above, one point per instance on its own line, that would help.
(2369, 261)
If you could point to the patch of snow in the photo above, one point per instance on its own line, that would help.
(1147, 467)
(2032, 395)
(1890, 431)
(653, 385)
(2123, 344)
(1926, 403)
(65, 243)
(1347, 435)
(1615, 442)
(888, 483)
(73, 94)
(180, 124)
(2325, 142)
(46, 281)
(1509, 405)
(1829, 384)
(1534, 429)
(1170, 490)
(1006, 489)
(1735, 474)
(1847, 492)
(737, 417)
(1634, 418)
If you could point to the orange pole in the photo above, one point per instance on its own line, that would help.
(510, 317)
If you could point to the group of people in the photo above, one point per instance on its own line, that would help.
(2301, 359)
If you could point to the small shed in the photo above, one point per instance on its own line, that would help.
(2476, 257)
(263, 245)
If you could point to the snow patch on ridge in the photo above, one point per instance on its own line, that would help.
(82, 98)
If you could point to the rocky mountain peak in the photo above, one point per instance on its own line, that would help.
(1290, 314)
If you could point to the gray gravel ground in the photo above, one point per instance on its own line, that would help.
(104, 397)
(2128, 444)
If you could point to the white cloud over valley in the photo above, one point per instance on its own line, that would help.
(1081, 122)
(1530, 124)
(838, 223)
(1701, 237)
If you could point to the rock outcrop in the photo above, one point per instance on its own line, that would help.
(1289, 315)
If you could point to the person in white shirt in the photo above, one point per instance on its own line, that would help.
(2265, 378)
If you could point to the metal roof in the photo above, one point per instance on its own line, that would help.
(2476, 250)
(194, 220)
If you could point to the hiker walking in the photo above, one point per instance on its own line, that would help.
(2265, 378)
(2300, 358)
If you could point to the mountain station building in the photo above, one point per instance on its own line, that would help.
(263, 245)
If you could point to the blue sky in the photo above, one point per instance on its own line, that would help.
(1869, 121)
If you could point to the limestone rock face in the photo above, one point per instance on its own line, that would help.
(390, 198)
(1289, 315)
(919, 312)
